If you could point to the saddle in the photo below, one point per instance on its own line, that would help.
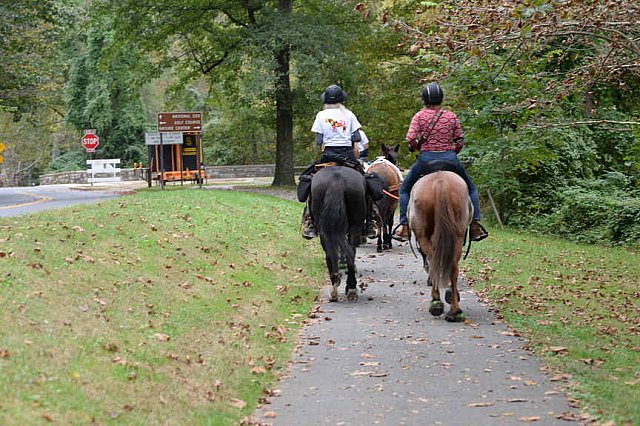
(375, 185)
(441, 166)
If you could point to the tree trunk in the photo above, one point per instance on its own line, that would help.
(284, 113)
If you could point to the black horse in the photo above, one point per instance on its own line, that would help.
(338, 205)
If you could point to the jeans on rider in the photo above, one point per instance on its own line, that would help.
(415, 174)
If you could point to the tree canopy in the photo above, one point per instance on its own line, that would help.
(547, 91)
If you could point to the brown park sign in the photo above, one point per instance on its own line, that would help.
(180, 122)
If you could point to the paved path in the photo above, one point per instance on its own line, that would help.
(385, 360)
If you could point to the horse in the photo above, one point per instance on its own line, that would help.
(385, 167)
(338, 205)
(439, 213)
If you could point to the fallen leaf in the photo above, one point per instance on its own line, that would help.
(238, 403)
(481, 404)
(560, 377)
(557, 349)
(258, 370)
(529, 418)
(162, 337)
(270, 414)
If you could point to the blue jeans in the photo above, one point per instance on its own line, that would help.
(415, 174)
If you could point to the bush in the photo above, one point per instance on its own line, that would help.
(68, 162)
(599, 214)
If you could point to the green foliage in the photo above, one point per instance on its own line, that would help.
(602, 210)
(103, 90)
(29, 38)
(70, 161)
(541, 113)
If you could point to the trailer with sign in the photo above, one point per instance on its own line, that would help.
(175, 151)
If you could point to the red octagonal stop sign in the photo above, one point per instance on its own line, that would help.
(90, 141)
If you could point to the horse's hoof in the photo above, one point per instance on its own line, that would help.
(436, 308)
(457, 316)
(447, 296)
(352, 295)
(333, 295)
(379, 249)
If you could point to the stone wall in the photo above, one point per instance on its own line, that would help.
(213, 172)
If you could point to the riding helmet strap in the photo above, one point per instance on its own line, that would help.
(431, 126)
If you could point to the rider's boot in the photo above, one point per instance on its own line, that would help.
(309, 230)
(401, 233)
(477, 231)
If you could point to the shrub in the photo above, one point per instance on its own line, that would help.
(598, 214)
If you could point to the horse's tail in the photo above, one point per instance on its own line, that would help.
(444, 238)
(333, 223)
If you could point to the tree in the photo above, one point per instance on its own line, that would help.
(223, 39)
(29, 33)
(103, 89)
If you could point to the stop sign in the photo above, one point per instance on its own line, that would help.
(90, 141)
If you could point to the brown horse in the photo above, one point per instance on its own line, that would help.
(385, 167)
(439, 213)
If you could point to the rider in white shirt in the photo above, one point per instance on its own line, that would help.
(337, 130)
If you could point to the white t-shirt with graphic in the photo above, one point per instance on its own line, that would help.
(336, 125)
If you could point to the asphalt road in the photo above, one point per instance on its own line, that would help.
(16, 201)
(385, 360)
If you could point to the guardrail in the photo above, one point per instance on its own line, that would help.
(212, 172)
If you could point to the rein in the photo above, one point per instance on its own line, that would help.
(395, 197)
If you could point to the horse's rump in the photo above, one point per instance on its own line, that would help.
(439, 213)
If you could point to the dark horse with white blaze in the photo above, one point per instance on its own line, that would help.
(439, 213)
(338, 205)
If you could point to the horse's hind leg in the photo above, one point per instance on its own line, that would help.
(331, 258)
(335, 283)
(436, 307)
(352, 291)
(455, 314)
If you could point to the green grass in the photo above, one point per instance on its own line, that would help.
(162, 307)
(579, 307)
(172, 306)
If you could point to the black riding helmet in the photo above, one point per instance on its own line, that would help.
(432, 94)
(333, 95)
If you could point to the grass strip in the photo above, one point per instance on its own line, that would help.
(176, 307)
(578, 306)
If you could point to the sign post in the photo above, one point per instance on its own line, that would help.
(90, 141)
(170, 123)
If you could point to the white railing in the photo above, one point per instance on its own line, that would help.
(104, 170)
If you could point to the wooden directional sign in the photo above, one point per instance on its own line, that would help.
(180, 122)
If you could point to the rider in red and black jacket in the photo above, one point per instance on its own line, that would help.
(436, 133)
